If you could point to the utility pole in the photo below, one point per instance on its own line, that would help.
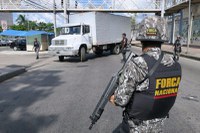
(172, 29)
(189, 26)
(163, 8)
(113, 4)
(65, 11)
(27, 20)
(54, 12)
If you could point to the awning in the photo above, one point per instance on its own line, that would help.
(35, 32)
(13, 33)
(24, 33)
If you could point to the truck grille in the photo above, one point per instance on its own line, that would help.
(59, 42)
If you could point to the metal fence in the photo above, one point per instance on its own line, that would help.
(171, 3)
(80, 4)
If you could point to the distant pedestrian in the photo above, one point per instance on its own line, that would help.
(36, 47)
(124, 46)
(177, 48)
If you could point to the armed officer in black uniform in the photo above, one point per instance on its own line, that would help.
(177, 48)
(124, 46)
(149, 84)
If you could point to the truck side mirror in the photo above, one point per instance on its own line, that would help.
(83, 30)
(86, 29)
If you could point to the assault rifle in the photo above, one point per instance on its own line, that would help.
(108, 92)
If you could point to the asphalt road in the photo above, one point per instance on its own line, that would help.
(59, 97)
(7, 48)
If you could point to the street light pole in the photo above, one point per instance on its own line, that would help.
(28, 21)
(189, 26)
(54, 12)
(113, 4)
(163, 8)
(65, 10)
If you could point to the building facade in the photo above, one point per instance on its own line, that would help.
(6, 19)
(181, 25)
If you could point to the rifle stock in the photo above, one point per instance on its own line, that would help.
(108, 92)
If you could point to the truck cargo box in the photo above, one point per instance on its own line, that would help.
(105, 28)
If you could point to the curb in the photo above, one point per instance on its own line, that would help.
(10, 74)
(12, 71)
(191, 57)
(183, 55)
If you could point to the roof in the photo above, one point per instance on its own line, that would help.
(13, 33)
(24, 33)
(35, 32)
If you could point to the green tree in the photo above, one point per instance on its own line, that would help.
(25, 24)
(49, 27)
(1, 29)
(42, 26)
(18, 27)
(133, 21)
(21, 20)
(22, 23)
(32, 25)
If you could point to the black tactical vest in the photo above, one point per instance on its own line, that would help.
(158, 99)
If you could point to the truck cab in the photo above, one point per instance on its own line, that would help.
(74, 40)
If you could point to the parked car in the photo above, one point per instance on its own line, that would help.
(19, 44)
(5, 42)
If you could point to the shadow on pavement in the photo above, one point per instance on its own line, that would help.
(17, 115)
(43, 57)
(14, 66)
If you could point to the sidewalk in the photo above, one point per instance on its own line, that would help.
(14, 63)
(20, 58)
(193, 52)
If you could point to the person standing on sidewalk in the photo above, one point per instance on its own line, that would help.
(177, 48)
(124, 46)
(36, 47)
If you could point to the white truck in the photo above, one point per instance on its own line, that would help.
(90, 31)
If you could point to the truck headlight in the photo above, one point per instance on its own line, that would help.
(70, 48)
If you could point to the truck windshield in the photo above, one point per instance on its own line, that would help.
(71, 30)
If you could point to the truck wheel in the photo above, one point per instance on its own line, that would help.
(82, 54)
(116, 49)
(61, 58)
(99, 52)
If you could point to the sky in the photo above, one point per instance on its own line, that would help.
(48, 17)
(40, 17)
